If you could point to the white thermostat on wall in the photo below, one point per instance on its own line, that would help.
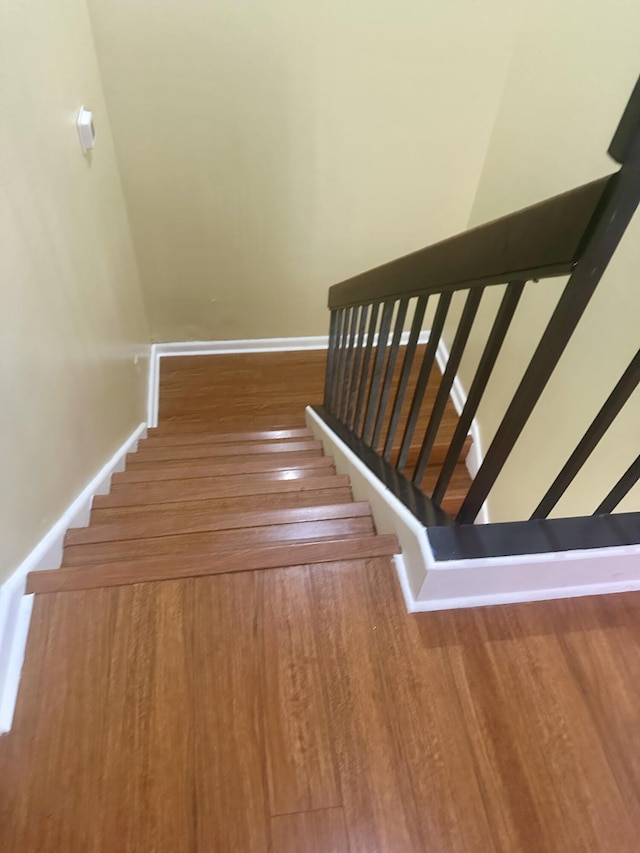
(86, 130)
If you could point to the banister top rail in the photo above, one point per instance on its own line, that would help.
(540, 241)
(406, 448)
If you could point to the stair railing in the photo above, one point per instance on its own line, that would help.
(575, 233)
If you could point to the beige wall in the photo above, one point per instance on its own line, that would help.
(573, 69)
(72, 317)
(269, 150)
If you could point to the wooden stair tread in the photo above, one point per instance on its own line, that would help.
(201, 522)
(218, 449)
(201, 485)
(269, 460)
(242, 503)
(204, 543)
(205, 495)
(171, 491)
(186, 469)
(194, 423)
(149, 569)
(156, 438)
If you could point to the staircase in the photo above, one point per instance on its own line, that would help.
(205, 495)
(201, 504)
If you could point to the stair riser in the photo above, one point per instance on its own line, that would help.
(207, 487)
(209, 543)
(192, 423)
(250, 503)
(215, 451)
(204, 522)
(271, 469)
(156, 438)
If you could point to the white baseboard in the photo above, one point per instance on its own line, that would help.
(528, 577)
(15, 618)
(178, 348)
(183, 348)
(153, 386)
(15, 606)
(391, 515)
(428, 584)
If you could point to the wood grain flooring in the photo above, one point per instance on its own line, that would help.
(320, 831)
(275, 697)
(240, 712)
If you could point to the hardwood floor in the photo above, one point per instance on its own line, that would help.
(193, 714)
(254, 699)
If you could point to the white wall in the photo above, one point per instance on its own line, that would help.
(72, 316)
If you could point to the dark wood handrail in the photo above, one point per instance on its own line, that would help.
(540, 241)
(575, 233)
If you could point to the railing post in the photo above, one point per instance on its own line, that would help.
(414, 335)
(348, 364)
(381, 351)
(388, 374)
(600, 424)
(331, 359)
(459, 342)
(337, 355)
(621, 488)
(342, 358)
(362, 390)
(423, 378)
(356, 378)
(483, 374)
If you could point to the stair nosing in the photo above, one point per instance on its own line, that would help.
(85, 577)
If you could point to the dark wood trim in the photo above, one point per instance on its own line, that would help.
(627, 135)
(407, 364)
(540, 241)
(444, 301)
(587, 444)
(483, 373)
(389, 370)
(537, 536)
(378, 365)
(621, 489)
(363, 379)
(472, 303)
